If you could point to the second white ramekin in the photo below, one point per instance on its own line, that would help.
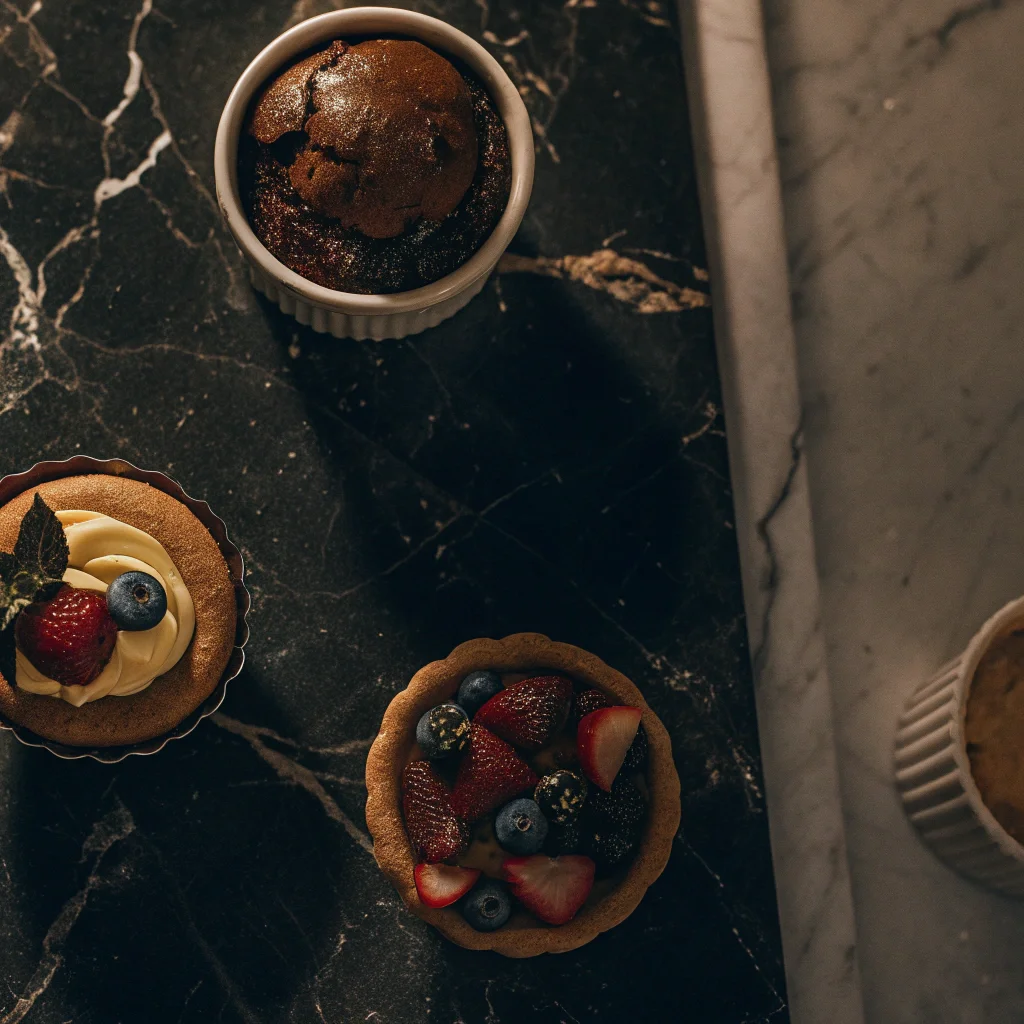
(933, 771)
(347, 314)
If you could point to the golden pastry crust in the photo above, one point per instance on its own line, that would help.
(530, 653)
(994, 729)
(115, 721)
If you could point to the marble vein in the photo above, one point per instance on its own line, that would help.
(962, 15)
(543, 69)
(111, 187)
(114, 826)
(730, 909)
(231, 989)
(24, 323)
(29, 329)
(293, 772)
(25, 327)
(772, 568)
(628, 280)
(134, 79)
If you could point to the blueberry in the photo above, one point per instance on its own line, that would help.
(443, 731)
(136, 601)
(520, 827)
(477, 689)
(561, 795)
(487, 906)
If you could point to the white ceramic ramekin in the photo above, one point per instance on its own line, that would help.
(933, 771)
(346, 314)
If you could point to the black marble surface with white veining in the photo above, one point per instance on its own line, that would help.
(552, 459)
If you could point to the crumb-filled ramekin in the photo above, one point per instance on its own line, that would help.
(82, 465)
(347, 314)
(933, 770)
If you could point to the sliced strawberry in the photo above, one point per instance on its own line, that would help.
(68, 638)
(490, 774)
(440, 885)
(602, 740)
(433, 826)
(591, 700)
(551, 888)
(528, 713)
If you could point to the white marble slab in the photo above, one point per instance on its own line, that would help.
(901, 141)
(730, 104)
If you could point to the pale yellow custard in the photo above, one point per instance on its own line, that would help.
(100, 549)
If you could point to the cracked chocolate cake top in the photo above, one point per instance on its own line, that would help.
(374, 167)
(390, 133)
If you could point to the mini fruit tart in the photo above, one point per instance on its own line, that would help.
(521, 795)
(122, 608)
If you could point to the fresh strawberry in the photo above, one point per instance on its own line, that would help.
(528, 713)
(68, 638)
(489, 775)
(602, 740)
(591, 700)
(432, 825)
(551, 888)
(440, 885)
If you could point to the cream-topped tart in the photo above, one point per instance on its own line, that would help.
(132, 619)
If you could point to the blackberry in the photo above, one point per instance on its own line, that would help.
(563, 839)
(609, 850)
(623, 808)
(612, 824)
(636, 756)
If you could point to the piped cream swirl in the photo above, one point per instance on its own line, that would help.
(100, 548)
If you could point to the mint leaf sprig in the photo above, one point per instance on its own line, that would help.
(37, 563)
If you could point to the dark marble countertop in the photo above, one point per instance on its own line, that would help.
(552, 459)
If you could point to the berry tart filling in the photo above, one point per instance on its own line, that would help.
(524, 792)
(97, 606)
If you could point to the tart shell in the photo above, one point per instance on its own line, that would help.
(531, 653)
(173, 696)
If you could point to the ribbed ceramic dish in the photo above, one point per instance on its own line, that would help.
(41, 472)
(346, 314)
(531, 653)
(933, 771)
